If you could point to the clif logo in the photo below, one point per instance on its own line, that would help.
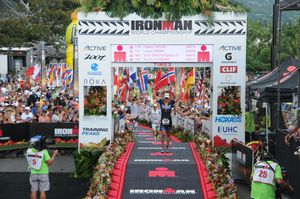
(228, 69)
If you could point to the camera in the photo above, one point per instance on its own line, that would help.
(40, 142)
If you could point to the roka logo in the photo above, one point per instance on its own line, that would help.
(161, 172)
(228, 69)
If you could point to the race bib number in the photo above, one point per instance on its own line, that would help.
(263, 173)
(34, 160)
(165, 121)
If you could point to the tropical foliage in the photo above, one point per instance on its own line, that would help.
(42, 21)
(173, 9)
(259, 42)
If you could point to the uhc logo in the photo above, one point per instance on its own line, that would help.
(161, 25)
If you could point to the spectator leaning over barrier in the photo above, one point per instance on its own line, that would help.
(266, 175)
(27, 116)
(55, 115)
(44, 117)
(38, 160)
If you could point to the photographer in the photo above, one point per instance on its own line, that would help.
(267, 179)
(38, 160)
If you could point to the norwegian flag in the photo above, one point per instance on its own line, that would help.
(166, 79)
(157, 79)
(143, 81)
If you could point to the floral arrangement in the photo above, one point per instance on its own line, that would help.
(229, 103)
(87, 158)
(181, 134)
(11, 145)
(155, 8)
(217, 166)
(94, 102)
(101, 179)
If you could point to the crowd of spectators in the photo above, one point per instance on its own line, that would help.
(27, 101)
(141, 104)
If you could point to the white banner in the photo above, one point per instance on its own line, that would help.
(104, 41)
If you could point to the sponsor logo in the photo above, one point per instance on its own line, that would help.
(228, 129)
(161, 172)
(228, 56)
(228, 119)
(164, 191)
(230, 48)
(66, 132)
(161, 27)
(93, 131)
(95, 48)
(95, 57)
(228, 69)
(94, 82)
(5, 138)
(94, 69)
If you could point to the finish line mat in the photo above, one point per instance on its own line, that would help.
(151, 174)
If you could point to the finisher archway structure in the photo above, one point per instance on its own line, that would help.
(194, 41)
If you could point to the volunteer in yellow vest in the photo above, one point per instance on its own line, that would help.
(265, 175)
(249, 124)
(38, 160)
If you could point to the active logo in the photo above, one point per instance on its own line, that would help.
(95, 48)
(228, 119)
(230, 48)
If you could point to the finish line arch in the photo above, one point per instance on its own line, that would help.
(104, 42)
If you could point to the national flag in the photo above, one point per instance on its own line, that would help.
(143, 80)
(190, 81)
(166, 79)
(171, 75)
(57, 74)
(51, 74)
(157, 79)
(69, 77)
(36, 75)
(133, 74)
(29, 71)
(116, 80)
(122, 93)
(182, 85)
(63, 74)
